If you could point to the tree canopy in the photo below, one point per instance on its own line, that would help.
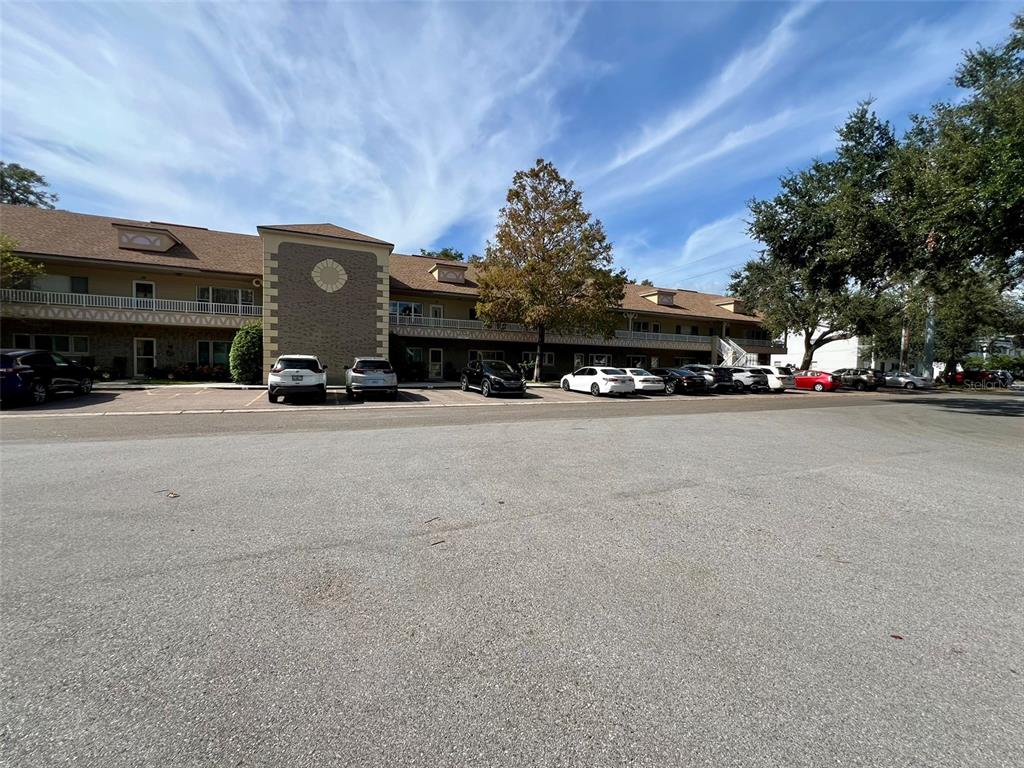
(444, 254)
(549, 266)
(23, 186)
(16, 271)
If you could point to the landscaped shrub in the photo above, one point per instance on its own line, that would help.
(246, 358)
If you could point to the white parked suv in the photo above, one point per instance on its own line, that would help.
(779, 379)
(297, 375)
(371, 374)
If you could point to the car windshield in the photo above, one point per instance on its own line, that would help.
(299, 364)
(374, 365)
(497, 366)
(613, 371)
(637, 372)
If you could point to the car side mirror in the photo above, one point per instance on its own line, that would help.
(324, 366)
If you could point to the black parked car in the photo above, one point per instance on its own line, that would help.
(35, 374)
(492, 377)
(718, 376)
(682, 380)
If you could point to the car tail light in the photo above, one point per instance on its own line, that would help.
(276, 369)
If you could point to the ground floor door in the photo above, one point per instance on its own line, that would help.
(435, 370)
(145, 356)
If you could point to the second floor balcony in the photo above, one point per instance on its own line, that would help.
(89, 307)
(448, 328)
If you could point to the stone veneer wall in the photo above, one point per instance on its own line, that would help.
(302, 318)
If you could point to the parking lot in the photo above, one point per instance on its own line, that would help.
(757, 580)
(169, 400)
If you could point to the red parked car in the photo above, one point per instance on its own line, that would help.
(819, 381)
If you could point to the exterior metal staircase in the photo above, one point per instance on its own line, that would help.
(733, 354)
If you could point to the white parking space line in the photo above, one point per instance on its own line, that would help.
(258, 397)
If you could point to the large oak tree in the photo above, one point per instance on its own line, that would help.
(549, 266)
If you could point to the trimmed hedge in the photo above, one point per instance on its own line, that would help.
(246, 358)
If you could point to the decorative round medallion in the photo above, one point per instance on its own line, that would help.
(329, 275)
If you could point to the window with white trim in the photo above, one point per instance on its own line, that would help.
(77, 345)
(486, 354)
(60, 284)
(529, 357)
(213, 352)
(406, 308)
(211, 294)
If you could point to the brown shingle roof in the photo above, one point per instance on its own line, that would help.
(79, 235)
(412, 273)
(326, 230)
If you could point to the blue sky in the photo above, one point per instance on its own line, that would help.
(407, 121)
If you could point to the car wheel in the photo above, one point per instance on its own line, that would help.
(349, 393)
(859, 386)
(737, 386)
(271, 395)
(565, 386)
(485, 388)
(670, 388)
(85, 386)
(910, 385)
(37, 393)
(322, 397)
(464, 383)
(595, 390)
(819, 387)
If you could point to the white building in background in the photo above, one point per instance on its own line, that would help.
(844, 353)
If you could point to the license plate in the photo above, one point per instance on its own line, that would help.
(296, 378)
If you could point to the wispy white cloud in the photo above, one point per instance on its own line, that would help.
(740, 75)
(397, 120)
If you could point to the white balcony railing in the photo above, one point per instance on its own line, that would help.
(462, 325)
(677, 337)
(17, 295)
(419, 321)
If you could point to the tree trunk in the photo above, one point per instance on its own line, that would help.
(808, 352)
(540, 353)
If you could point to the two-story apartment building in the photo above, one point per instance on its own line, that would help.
(133, 296)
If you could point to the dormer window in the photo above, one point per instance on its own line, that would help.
(144, 238)
(663, 298)
(449, 272)
(733, 305)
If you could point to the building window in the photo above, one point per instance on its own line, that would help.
(636, 361)
(486, 354)
(529, 357)
(209, 294)
(578, 360)
(77, 345)
(414, 354)
(655, 327)
(406, 308)
(600, 359)
(213, 352)
(679, 329)
(472, 312)
(695, 330)
(641, 326)
(60, 284)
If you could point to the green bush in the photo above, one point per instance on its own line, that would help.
(246, 358)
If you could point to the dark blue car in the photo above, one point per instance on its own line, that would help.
(32, 375)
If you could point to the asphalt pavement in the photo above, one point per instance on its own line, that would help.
(613, 585)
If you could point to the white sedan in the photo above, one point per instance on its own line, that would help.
(906, 380)
(645, 381)
(599, 381)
